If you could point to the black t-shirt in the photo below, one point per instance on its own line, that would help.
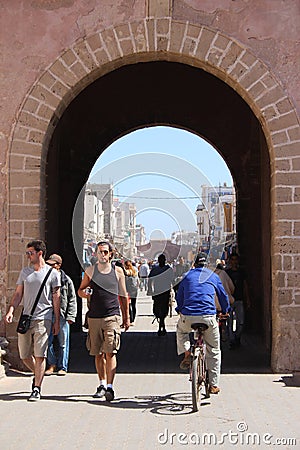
(104, 299)
(161, 279)
(238, 278)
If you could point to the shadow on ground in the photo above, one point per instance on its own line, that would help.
(178, 403)
(290, 380)
(145, 352)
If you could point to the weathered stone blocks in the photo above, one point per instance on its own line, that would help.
(158, 36)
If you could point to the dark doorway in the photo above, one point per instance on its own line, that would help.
(166, 93)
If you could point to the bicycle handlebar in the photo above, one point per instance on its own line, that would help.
(222, 316)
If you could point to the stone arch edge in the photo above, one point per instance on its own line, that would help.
(145, 40)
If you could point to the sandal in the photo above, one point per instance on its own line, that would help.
(185, 363)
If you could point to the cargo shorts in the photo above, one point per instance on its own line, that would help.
(35, 341)
(104, 335)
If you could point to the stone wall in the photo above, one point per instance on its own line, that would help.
(53, 49)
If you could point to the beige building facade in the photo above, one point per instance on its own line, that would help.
(76, 75)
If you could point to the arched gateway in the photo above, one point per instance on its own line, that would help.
(162, 71)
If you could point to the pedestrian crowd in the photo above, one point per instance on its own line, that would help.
(111, 288)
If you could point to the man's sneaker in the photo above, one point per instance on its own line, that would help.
(101, 391)
(214, 389)
(35, 394)
(62, 372)
(109, 394)
(50, 370)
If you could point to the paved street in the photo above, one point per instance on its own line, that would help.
(152, 409)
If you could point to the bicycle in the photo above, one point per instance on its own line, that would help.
(222, 320)
(224, 324)
(198, 368)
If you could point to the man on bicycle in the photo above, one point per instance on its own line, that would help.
(196, 303)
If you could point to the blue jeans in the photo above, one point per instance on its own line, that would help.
(62, 359)
(143, 283)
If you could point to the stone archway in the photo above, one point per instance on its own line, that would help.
(166, 40)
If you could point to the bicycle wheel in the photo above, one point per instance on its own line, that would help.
(196, 381)
(205, 379)
(204, 372)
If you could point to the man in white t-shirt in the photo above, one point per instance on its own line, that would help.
(33, 345)
(144, 271)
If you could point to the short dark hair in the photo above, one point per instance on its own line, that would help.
(39, 246)
(105, 243)
(161, 259)
(200, 259)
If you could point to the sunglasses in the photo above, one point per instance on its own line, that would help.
(103, 252)
(30, 252)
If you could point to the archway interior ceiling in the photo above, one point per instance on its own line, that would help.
(147, 94)
(155, 93)
(160, 93)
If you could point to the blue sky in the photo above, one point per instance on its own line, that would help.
(161, 170)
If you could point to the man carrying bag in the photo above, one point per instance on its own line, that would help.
(25, 319)
(33, 344)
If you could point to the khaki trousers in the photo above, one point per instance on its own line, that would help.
(212, 340)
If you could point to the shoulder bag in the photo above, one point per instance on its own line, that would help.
(25, 319)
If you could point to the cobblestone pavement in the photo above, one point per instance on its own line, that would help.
(152, 409)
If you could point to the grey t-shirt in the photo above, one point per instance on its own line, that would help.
(31, 280)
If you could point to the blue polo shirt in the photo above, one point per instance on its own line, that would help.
(196, 293)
